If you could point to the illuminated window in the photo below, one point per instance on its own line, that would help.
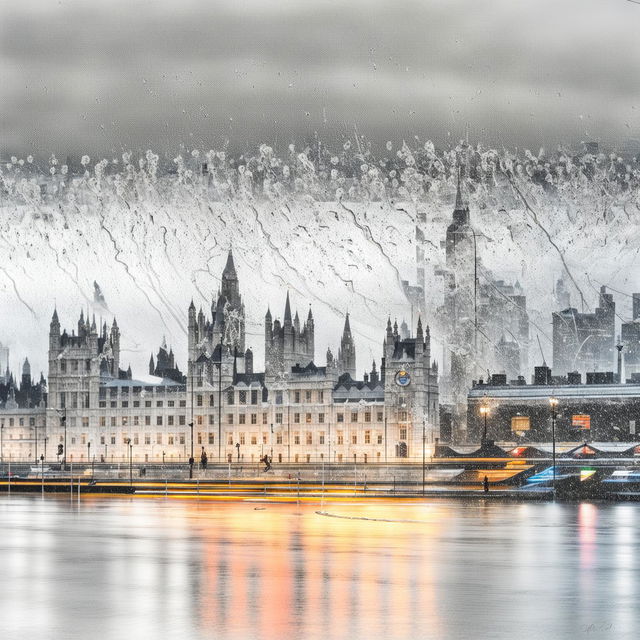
(520, 423)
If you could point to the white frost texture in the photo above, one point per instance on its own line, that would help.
(336, 229)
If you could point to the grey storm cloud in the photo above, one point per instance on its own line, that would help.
(100, 77)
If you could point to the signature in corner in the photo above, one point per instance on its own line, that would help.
(597, 627)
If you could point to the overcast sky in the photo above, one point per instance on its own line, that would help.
(97, 77)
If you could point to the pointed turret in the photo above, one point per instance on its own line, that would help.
(347, 326)
(229, 268)
(419, 333)
(347, 351)
(54, 332)
(287, 312)
(152, 366)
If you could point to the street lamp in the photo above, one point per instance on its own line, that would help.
(484, 411)
(191, 460)
(424, 439)
(63, 420)
(554, 403)
(130, 462)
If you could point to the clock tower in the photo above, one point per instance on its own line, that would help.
(410, 392)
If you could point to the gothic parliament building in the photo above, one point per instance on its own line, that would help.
(295, 411)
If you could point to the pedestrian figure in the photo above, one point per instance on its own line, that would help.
(204, 459)
(485, 484)
(267, 462)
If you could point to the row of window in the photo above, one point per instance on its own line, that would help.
(74, 400)
(242, 438)
(102, 404)
(74, 366)
(22, 422)
(253, 418)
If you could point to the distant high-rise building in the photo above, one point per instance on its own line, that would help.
(630, 340)
(585, 341)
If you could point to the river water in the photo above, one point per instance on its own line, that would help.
(115, 568)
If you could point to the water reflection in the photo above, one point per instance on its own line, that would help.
(114, 568)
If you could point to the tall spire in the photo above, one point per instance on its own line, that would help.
(347, 327)
(460, 203)
(230, 268)
(287, 311)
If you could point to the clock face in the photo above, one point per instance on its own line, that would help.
(403, 378)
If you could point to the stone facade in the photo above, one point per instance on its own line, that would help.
(294, 411)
